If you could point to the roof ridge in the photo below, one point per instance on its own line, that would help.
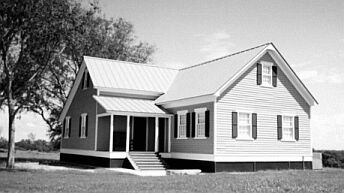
(133, 63)
(229, 55)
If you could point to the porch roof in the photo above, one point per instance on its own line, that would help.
(129, 105)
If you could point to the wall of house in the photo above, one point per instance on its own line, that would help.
(82, 103)
(267, 102)
(191, 145)
(103, 136)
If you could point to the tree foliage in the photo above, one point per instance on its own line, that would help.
(42, 43)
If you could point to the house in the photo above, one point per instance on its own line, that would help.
(246, 111)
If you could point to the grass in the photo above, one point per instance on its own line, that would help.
(328, 180)
(33, 156)
(23, 180)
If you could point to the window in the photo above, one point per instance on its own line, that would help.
(83, 126)
(200, 122)
(244, 126)
(85, 81)
(67, 127)
(266, 74)
(182, 124)
(288, 128)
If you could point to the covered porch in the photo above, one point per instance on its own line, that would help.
(131, 125)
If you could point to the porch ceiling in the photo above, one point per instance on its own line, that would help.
(117, 104)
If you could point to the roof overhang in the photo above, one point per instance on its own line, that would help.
(129, 106)
(188, 101)
(128, 92)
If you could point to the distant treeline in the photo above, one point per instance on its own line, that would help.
(332, 158)
(27, 144)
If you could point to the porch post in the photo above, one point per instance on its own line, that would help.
(169, 135)
(156, 134)
(127, 142)
(111, 133)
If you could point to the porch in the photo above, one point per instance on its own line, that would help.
(124, 133)
(131, 125)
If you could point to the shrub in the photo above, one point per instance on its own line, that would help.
(333, 159)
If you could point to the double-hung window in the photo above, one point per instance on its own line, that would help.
(200, 122)
(244, 126)
(182, 124)
(266, 73)
(83, 125)
(66, 127)
(288, 127)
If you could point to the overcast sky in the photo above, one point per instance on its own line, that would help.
(309, 34)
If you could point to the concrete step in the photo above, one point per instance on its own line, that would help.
(152, 168)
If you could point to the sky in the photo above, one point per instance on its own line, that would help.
(309, 34)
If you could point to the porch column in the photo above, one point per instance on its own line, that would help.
(127, 142)
(156, 149)
(111, 133)
(169, 134)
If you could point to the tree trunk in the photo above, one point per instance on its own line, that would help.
(11, 141)
(11, 126)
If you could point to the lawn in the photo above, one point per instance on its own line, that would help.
(30, 155)
(327, 180)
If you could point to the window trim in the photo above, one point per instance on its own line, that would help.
(67, 123)
(293, 128)
(182, 113)
(83, 123)
(244, 138)
(197, 111)
(85, 79)
(269, 64)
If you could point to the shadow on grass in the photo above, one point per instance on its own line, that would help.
(65, 164)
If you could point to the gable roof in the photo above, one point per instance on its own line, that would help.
(206, 78)
(107, 73)
(213, 77)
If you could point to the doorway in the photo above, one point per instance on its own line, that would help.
(142, 134)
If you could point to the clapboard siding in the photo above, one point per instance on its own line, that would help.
(83, 102)
(267, 102)
(192, 145)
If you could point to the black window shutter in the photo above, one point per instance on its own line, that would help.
(80, 119)
(70, 127)
(234, 124)
(254, 125)
(296, 125)
(207, 123)
(86, 126)
(259, 74)
(274, 76)
(193, 121)
(188, 124)
(64, 128)
(175, 126)
(88, 80)
(279, 127)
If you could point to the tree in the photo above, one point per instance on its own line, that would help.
(41, 47)
(31, 35)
